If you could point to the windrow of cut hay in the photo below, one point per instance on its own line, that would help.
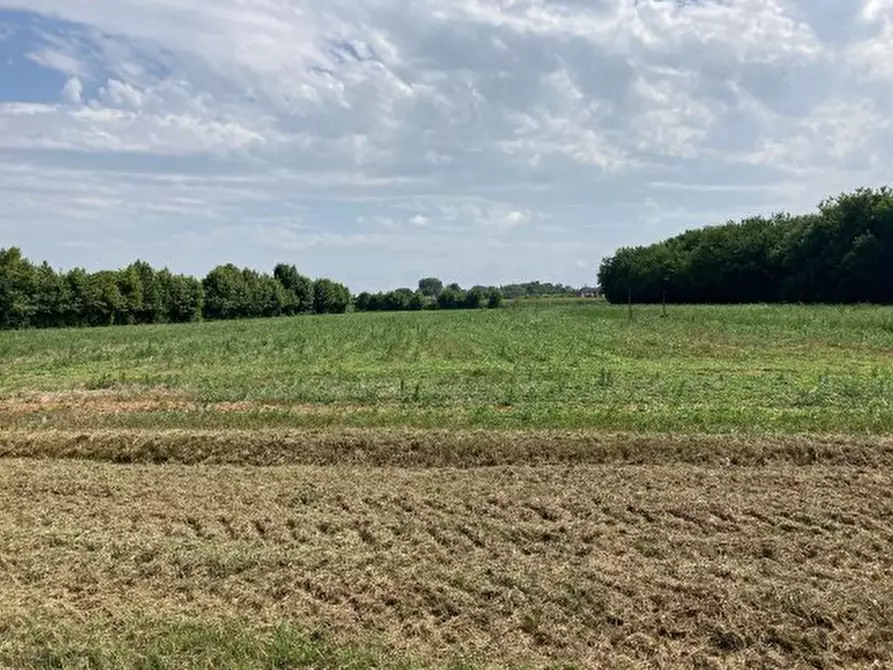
(441, 448)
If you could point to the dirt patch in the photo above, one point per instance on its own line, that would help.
(101, 401)
(86, 403)
(253, 406)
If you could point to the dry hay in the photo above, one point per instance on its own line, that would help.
(600, 565)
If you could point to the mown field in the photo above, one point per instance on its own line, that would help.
(552, 485)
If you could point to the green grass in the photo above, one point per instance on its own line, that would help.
(751, 369)
(147, 644)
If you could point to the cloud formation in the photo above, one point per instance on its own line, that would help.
(483, 140)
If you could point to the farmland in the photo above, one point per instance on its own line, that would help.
(818, 370)
(548, 485)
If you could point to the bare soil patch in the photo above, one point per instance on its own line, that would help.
(99, 401)
(87, 403)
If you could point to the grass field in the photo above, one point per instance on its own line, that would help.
(788, 370)
(551, 485)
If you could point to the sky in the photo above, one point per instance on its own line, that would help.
(379, 141)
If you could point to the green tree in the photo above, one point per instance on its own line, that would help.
(418, 301)
(494, 298)
(153, 307)
(130, 287)
(842, 253)
(51, 298)
(227, 293)
(78, 290)
(475, 298)
(184, 297)
(430, 287)
(330, 297)
(17, 289)
(104, 299)
(398, 300)
(363, 302)
(298, 287)
(452, 297)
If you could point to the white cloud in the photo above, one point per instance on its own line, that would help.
(73, 91)
(434, 124)
(56, 60)
(513, 219)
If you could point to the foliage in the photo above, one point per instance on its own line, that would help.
(494, 298)
(842, 254)
(299, 289)
(536, 289)
(430, 287)
(39, 296)
(330, 297)
(17, 289)
(451, 297)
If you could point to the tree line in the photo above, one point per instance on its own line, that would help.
(536, 289)
(430, 294)
(34, 295)
(843, 253)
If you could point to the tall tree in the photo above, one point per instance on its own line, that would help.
(298, 287)
(430, 287)
(130, 286)
(184, 297)
(51, 298)
(227, 294)
(152, 307)
(104, 299)
(17, 289)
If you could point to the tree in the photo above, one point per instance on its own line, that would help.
(153, 307)
(17, 289)
(51, 298)
(840, 254)
(430, 287)
(265, 296)
(398, 300)
(494, 298)
(78, 291)
(418, 301)
(299, 288)
(452, 297)
(131, 289)
(104, 299)
(184, 297)
(330, 297)
(227, 294)
(536, 289)
(475, 298)
(363, 302)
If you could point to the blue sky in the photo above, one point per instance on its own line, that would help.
(484, 141)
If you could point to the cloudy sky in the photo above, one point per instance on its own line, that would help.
(376, 141)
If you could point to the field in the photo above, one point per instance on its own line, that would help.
(551, 485)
